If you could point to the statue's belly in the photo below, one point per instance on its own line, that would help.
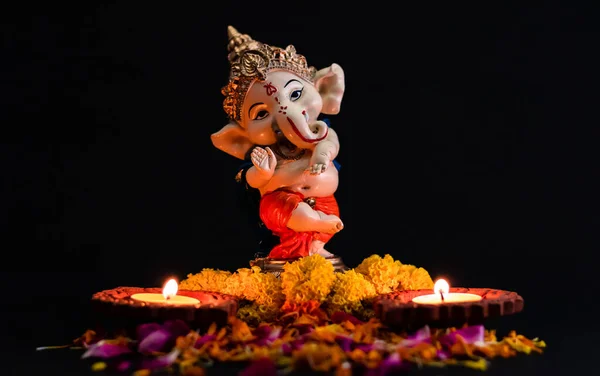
(293, 176)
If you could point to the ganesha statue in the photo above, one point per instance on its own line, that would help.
(274, 101)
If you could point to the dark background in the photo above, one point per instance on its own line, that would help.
(468, 147)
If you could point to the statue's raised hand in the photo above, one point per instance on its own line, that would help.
(264, 160)
(318, 162)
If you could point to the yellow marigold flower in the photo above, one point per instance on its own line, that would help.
(413, 278)
(254, 314)
(207, 280)
(253, 285)
(382, 272)
(308, 278)
(348, 290)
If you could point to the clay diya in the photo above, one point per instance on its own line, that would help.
(127, 307)
(444, 306)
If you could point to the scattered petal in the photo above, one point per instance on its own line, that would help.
(99, 366)
(155, 341)
(470, 335)
(104, 349)
(161, 361)
(145, 330)
(123, 366)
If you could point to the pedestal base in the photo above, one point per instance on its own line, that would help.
(275, 266)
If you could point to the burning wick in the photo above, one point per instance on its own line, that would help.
(170, 289)
(442, 287)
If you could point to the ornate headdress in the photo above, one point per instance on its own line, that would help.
(251, 60)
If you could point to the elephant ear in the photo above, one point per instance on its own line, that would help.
(331, 85)
(233, 140)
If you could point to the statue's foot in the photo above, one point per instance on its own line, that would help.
(328, 223)
(317, 247)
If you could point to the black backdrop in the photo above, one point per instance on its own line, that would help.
(467, 147)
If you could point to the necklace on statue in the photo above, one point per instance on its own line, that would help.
(280, 153)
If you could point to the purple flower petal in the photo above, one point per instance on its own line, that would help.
(161, 361)
(389, 366)
(155, 341)
(102, 349)
(366, 347)
(304, 328)
(266, 334)
(422, 335)
(444, 354)
(470, 334)
(260, 367)
(144, 330)
(123, 366)
(286, 349)
(345, 342)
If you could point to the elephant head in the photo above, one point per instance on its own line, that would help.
(273, 96)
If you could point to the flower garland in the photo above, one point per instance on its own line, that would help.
(309, 283)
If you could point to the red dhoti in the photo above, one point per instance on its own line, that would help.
(275, 211)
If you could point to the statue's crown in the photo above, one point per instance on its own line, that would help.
(251, 60)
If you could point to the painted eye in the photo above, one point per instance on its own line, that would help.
(296, 94)
(261, 115)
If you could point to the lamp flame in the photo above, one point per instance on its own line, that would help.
(441, 287)
(170, 289)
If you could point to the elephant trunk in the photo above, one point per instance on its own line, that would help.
(303, 134)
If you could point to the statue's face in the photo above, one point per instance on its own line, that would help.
(283, 106)
(283, 109)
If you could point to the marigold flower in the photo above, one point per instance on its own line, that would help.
(308, 278)
(413, 278)
(207, 280)
(251, 284)
(382, 272)
(348, 290)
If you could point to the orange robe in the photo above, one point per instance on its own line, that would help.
(275, 211)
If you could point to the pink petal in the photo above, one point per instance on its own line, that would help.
(102, 349)
(470, 334)
(155, 341)
(161, 361)
(123, 366)
(420, 336)
(345, 342)
(145, 330)
(391, 365)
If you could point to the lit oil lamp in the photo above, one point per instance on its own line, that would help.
(169, 296)
(442, 295)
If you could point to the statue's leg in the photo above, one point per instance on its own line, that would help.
(318, 247)
(304, 219)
